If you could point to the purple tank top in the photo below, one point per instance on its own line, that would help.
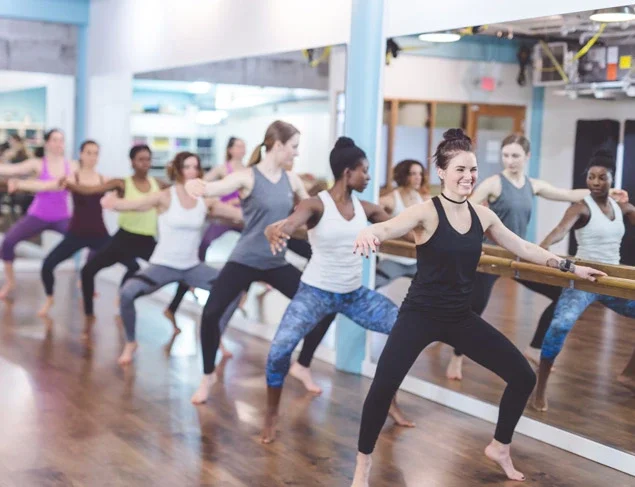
(235, 194)
(50, 206)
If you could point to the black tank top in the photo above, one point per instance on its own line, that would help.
(446, 267)
(87, 220)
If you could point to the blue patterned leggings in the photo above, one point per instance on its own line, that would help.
(571, 305)
(365, 307)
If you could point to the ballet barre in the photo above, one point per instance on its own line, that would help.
(619, 282)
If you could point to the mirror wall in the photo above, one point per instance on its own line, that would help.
(494, 81)
(200, 108)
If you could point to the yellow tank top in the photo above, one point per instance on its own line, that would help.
(139, 222)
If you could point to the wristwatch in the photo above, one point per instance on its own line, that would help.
(566, 265)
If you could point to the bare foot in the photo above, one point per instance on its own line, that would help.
(627, 381)
(44, 310)
(202, 393)
(128, 352)
(499, 453)
(89, 321)
(269, 431)
(226, 353)
(395, 413)
(170, 316)
(455, 368)
(362, 471)
(540, 404)
(6, 291)
(303, 374)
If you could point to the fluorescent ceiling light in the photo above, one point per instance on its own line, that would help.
(210, 117)
(614, 14)
(440, 37)
(199, 87)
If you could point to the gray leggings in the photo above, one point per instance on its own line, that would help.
(155, 277)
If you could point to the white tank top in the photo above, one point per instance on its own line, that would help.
(399, 207)
(600, 238)
(333, 267)
(179, 234)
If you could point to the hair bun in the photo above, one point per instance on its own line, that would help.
(344, 142)
(605, 153)
(455, 134)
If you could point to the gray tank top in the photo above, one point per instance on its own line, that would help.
(513, 206)
(268, 203)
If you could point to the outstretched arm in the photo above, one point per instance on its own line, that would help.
(110, 185)
(33, 185)
(235, 181)
(527, 250)
(306, 213)
(24, 168)
(550, 192)
(570, 218)
(218, 209)
(369, 239)
(377, 214)
(111, 202)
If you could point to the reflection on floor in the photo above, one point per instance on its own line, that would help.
(584, 396)
(71, 416)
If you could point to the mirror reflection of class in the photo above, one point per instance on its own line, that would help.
(414, 225)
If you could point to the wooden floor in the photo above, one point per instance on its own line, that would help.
(584, 396)
(71, 416)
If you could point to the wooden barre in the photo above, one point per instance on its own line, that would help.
(620, 281)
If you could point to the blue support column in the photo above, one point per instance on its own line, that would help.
(535, 137)
(81, 87)
(364, 104)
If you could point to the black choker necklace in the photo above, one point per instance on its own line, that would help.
(455, 202)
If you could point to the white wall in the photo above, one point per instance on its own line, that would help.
(60, 98)
(145, 35)
(558, 145)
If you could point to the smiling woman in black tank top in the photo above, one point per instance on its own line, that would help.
(448, 233)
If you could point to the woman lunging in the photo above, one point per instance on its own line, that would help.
(598, 223)
(234, 155)
(181, 219)
(137, 230)
(267, 192)
(332, 280)
(50, 208)
(449, 234)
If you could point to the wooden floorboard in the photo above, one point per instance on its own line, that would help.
(584, 396)
(72, 417)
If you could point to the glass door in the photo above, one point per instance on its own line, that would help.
(488, 125)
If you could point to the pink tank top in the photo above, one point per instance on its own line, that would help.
(235, 194)
(50, 206)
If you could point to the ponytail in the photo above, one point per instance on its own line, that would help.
(256, 155)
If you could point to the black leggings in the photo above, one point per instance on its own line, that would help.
(303, 249)
(413, 331)
(65, 250)
(483, 285)
(233, 279)
(124, 248)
